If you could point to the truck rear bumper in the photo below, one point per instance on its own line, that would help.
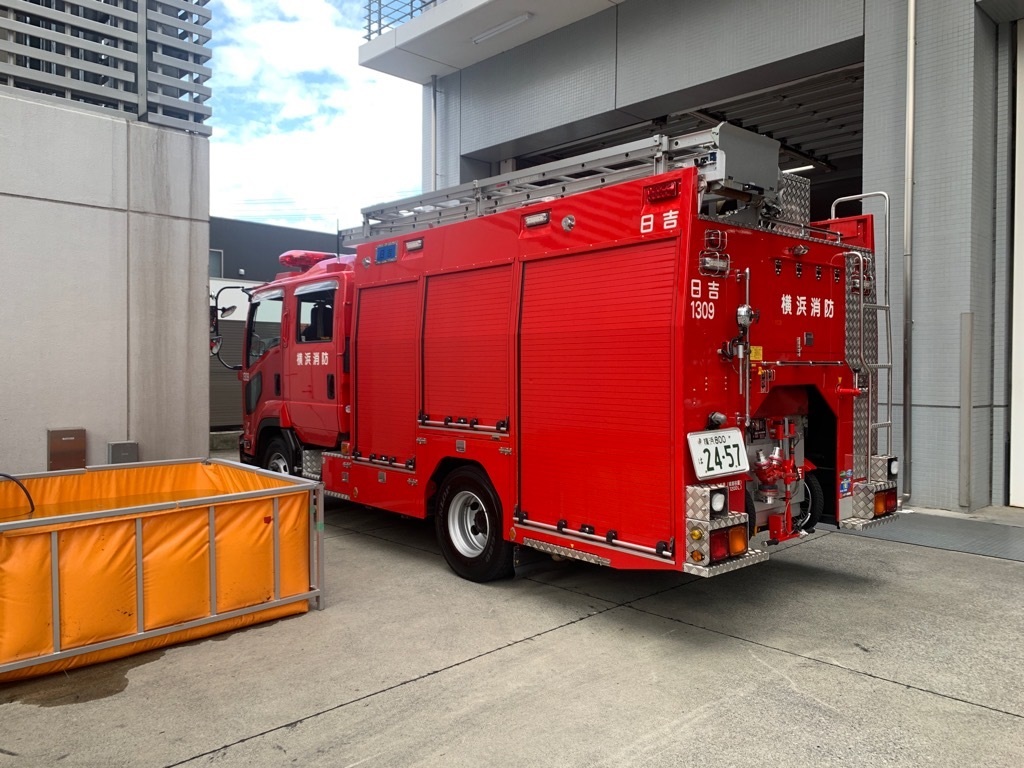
(707, 571)
(861, 524)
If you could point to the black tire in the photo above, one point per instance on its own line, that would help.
(807, 514)
(277, 457)
(469, 527)
(748, 507)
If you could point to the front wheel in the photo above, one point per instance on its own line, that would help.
(468, 525)
(277, 457)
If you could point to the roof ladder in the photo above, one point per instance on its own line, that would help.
(753, 158)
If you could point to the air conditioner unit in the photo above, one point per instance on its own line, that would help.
(122, 453)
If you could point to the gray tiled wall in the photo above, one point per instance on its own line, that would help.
(955, 223)
(884, 127)
(1002, 242)
(449, 120)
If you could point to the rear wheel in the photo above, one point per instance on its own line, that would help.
(748, 507)
(808, 513)
(468, 525)
(277, 457)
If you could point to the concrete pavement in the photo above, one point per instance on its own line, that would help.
(841, 650)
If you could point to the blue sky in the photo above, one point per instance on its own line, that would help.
(302, 135)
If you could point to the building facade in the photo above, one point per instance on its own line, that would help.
(104, 208)
(512, 83)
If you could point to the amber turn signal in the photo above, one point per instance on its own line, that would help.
(737, 540)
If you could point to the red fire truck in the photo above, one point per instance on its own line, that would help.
(646, 357)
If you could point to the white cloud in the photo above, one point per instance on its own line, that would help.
(303, 135)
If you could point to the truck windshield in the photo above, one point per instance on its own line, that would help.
(264, 327)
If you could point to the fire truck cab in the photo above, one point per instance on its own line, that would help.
(295, 372)
(647, 359)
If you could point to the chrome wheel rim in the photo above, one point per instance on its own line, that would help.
(467, 524)
(278, 463)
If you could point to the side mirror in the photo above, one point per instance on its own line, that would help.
(215, 342)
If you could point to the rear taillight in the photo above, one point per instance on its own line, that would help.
(719, 544)
(728, 542)
(885, 502)
(737, 540)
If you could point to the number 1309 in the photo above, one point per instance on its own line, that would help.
(702, 310)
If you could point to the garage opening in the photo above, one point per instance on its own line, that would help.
(818, 120)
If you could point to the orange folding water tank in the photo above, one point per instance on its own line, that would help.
(118, 560)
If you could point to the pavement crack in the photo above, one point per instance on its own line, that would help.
(388, 689)
(794, 686)
(833, 664)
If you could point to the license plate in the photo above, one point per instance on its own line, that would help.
(718, 453)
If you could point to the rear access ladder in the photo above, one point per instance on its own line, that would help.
(882, 313)
(864, 358)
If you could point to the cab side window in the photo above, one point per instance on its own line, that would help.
(315, 312)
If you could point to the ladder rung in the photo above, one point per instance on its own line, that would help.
(884, 307)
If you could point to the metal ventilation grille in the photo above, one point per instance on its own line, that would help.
(100, 54)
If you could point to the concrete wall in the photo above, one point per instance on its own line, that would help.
(103, 241)
(689, 52)
(639, 60)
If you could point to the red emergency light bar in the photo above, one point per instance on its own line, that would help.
(304, 259)
(663, 190)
